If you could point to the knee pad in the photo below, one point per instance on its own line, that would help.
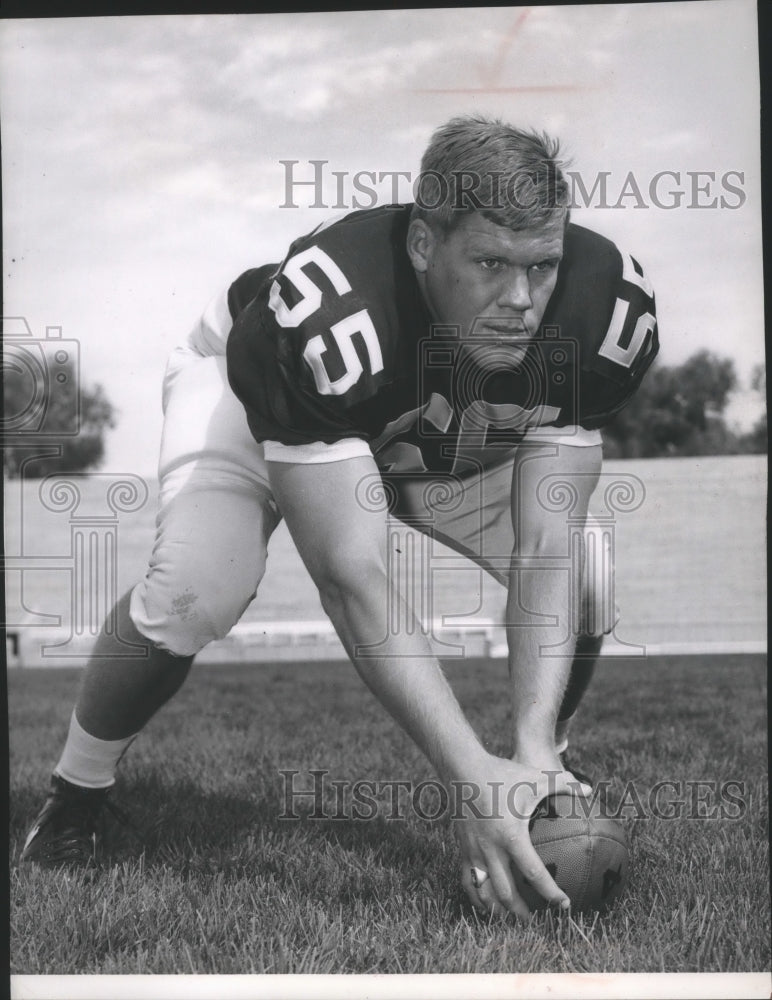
(182, 620)
(206, 565)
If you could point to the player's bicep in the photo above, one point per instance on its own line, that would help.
(552, 483)
(335, 514)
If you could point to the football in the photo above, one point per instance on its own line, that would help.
(584, 851)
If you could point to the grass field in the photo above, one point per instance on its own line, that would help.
(223, 885)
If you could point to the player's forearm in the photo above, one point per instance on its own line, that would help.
(541, 578)
(539, 655)
(398, 666)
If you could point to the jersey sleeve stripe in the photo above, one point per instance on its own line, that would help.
(578, 437)
(316, 452)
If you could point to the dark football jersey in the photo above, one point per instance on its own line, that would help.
(338, 343)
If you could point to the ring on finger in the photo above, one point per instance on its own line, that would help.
(479, 875)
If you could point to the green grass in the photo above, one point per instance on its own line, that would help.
(226, 886)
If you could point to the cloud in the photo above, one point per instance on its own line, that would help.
(141, 156)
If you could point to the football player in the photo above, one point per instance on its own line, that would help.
(460, 353)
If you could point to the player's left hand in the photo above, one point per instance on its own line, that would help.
(492, 831)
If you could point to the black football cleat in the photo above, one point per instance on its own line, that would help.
(67, 831)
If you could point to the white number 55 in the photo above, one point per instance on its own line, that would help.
(343, 332)
(611, 347)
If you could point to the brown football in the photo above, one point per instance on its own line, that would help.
(584, 850)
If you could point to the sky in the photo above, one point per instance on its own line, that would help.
(144, 159)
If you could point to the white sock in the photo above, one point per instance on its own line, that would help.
(89, 762)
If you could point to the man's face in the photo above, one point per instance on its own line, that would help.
(491, 282)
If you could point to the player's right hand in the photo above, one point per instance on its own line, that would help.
(492, 807)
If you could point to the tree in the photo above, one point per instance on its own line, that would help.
(53, 423)
(755, 440)
(677, 411)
